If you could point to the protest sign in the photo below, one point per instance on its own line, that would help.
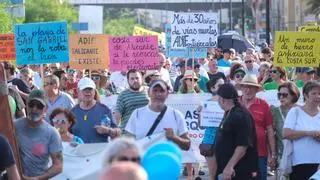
(133, 52)
(297, 49)
(309, 28)
(139, 31)
(194, 30)
(7, 49)
(88, 51)
(183, 53)
(41, 43)
(211, 114)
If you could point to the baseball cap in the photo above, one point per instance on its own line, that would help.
(158, 82)
(305, 70)
(86, 83)
(227, 91)
(38, 95)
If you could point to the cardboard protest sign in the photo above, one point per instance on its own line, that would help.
(183, 53)
(139, 31)
(297, 49)
(133, 52)
(309, 28)
(7, 48)
(89, 51)
(194, 30)
(211, 114)
(41, 43)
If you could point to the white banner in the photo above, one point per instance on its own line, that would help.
(211, 114)
(194, 30)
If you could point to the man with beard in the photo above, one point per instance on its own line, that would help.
(94, 119)
(133, 98)
(38, 141)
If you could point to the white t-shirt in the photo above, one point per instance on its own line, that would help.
(306, 150)
(143, 118)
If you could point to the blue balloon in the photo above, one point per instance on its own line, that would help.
(162, 165)
(164, 147)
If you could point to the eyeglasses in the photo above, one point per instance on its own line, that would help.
(273, 71)
(59, 121)
(240, 75)
(248, 61)
(284, 95)
(124, 158)
(35, 103)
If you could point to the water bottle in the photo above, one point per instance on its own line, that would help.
(105, 121)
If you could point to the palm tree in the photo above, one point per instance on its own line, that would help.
(314, 7)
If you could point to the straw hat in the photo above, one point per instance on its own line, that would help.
(251, 80)
(189, 74)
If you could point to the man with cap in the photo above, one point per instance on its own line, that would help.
(262, 117)
(94, 119)
(304, 74)
(236, 142)
(38, 141)
(156, 117)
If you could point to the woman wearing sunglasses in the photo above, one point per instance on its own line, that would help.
(122, 149)
(288, 95)
(63, 120)
(278, 75)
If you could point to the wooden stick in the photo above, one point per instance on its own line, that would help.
(192, 82)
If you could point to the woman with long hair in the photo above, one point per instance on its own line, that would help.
(302, 127)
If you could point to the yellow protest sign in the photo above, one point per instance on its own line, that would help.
(89, 51)
(309, 28)
(297, 49)
(139, 31)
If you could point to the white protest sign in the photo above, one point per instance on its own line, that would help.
(211, 114)
(271, 97)
(194, 30)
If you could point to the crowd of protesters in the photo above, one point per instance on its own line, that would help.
(64, 106)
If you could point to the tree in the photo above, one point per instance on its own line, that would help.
(5, 20)
(49, 10)
(314, 7)
(120, 27)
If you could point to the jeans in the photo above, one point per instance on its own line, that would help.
(263, 162)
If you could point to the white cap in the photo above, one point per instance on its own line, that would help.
(86, 83)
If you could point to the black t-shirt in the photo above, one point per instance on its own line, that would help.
(176, 85)
(22, 86)
(217, 75)
(6, 155)
(237, 129)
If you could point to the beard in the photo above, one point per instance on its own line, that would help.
(135, 86)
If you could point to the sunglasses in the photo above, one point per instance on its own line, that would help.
(284, 95)
(35, 103)
(59, 121)
(248, 61)
(95, 78)
(134, 159)
(273, 71)
(239, 75)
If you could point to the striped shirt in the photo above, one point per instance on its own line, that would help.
(128, 101)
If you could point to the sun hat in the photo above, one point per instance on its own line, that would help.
(251, 80)
(189, 74)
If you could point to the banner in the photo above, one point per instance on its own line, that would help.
(89, 51)
(296, 49)
(41, 43)
(7, 48)
(183, 53)
(139, 31)
(309, 28)
(194, 30)
(133, 52)
(211, 114)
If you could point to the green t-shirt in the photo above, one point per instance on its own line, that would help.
(299, 83)
(271, 85)
(101, 92)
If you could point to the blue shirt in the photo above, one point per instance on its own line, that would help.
(77, 140)
(224, 63)
(64, 100)
(88, 119)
